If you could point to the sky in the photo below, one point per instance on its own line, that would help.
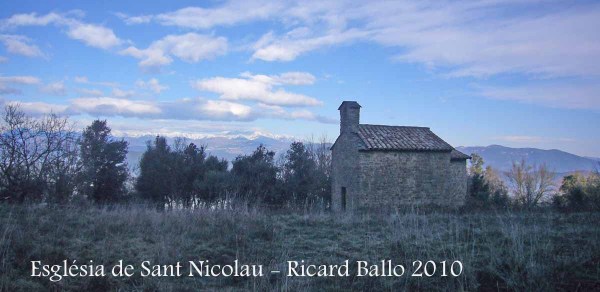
(514, 73)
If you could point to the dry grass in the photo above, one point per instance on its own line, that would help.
(500, 251)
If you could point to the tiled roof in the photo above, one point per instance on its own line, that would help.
(377, 137)
(457, 155)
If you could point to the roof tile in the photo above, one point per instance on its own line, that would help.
(379, 137)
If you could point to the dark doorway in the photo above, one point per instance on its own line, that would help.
(343, 198)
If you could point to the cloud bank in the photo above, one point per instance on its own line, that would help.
(182, 109)
(260, 88)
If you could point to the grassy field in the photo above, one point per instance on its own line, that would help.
(516, 251)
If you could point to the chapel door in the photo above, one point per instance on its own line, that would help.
(343, 199)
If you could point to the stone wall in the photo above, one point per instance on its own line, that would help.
(397, 178)
(457, 181)
(345, 169)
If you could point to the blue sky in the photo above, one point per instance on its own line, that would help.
(516, 73)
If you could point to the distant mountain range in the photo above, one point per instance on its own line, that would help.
(593, 158)
(497, 156)
(501, 158)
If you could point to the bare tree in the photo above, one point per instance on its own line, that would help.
(321, 153)
(35, 154)
(530, 184)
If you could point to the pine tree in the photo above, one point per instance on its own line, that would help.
(156, 180)
(104, 170)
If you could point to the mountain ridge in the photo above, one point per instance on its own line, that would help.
(501, 157)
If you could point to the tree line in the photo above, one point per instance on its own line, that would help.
(530, 186)
(45, 160)
(185, 175)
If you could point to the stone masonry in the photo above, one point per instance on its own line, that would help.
(375, 167)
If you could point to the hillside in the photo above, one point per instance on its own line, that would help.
(501, 157)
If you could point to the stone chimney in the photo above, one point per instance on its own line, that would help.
(349, 116)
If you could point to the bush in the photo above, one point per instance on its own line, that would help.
(579, 192)
(486, 189)
(255, 178)
(531, 185)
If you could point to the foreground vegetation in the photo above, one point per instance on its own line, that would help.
(535, 251)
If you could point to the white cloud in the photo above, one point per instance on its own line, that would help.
(55, 88)
(119, 93)
(41, 108)
(153, 84)
(291, 78)
(260, 88)
(20, 45)
(221, 108)
(29, 80)
(90, 92)
(31, 19)
(575, 95)
(93, 35)
(303, 114)
(7, 83)
(5, 89)
(290, 46)
(98, 106)
(108, 106)
(275, 111)
(296, 78)
(81, 79)
(189, 47)
(232, 12)
(134, 19)
(3, 59)
(85, 80)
